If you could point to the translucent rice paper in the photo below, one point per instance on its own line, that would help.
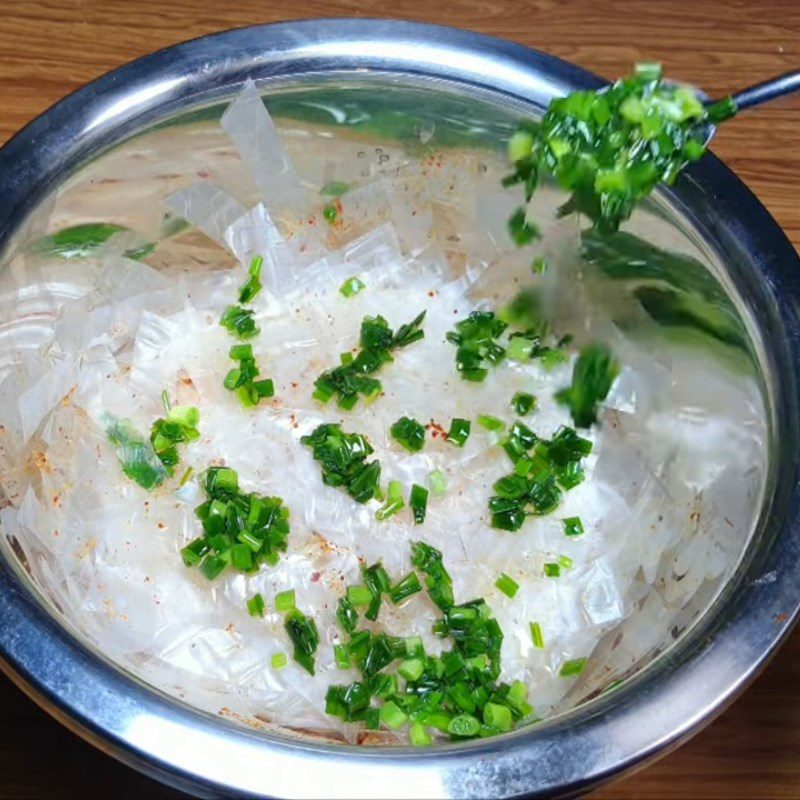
(206, 207)
(253, 132)
(672, 485)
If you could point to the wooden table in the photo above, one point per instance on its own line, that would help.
(51, 47)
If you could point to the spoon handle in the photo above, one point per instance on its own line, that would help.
(769, 90)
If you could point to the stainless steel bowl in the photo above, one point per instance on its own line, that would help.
(682, 688)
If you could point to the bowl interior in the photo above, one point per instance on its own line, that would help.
(684, 443)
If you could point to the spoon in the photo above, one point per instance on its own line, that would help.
(760, 93)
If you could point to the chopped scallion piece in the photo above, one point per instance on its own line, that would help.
(279, 661)
(239, 322)
(252, 286)
(405, 588)
(552, 570)
(572, 668)
(409, 433)
(572, 526)
(359, 596)
(507, 585)
(187, 476)
(352, 286)
(490, 423)
(497, 716)
(302, 631)
(459, 431)
(285, 601)
(539, 266)
(394, 501)
(419, 503)
(565, 562)
(418, 735)
(537, 636)
(463, 725)
(523, 403)
(341, 657)
(330, 213)
(256, 606)
(593, 375)
(392, 715)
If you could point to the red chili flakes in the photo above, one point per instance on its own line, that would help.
(436, 429)
(781, 618)
(162, 526)
(57, 499)
(431, 293)
(315, 576)
(295, 384)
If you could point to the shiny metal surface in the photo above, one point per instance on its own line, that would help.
(654, 711)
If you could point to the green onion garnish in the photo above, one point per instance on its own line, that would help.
(179, 427)
(464, 725)
(537, 636)
(572, 526)
(343, 458)
(539, 266)
(405, 588)
(552, 570)
(335, 188)
(611, 147)
(593, 375)
(256, 606)
(459, 431)
(565, 562)
(507, 585)
(394, 501)
(477, 348)
(252, 285)
(279, 661)
(135, 453)
(490, 423)
(523, 403)
(359, 596)
(302, 631)
(428, 560)
(437, 482)
(241, 530)
(392, 715)
(346, 615)
(497, 716)
(352, 286)
(239, 322)
(285, 601)
(418, 735)
(187, 476)
(520, 348)
(419, 503)
(377, 340)
(409, 433)
(341, 657)
(572, 668)
(330, 213)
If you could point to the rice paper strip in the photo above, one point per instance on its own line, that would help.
(206, 207)
(252, 130)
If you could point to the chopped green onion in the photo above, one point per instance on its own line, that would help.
(507, 585)
(335, 188)
(572, 668)
(285, 601)
(521, 230)
(552, 570)
(394, 501)
(405, 588)
(459, 431)
(279, 660)
(437, 482)
(256, 606)
(418, 502)
(537, 636)
(497, 716)
(330, 213)
(520, 349)
(392, 715)
(343, 460)
(239, 322)
(476, 341)
(341, 656)
(165, 400)
(539, 266)
(252, 286)
(490, 423)
(409, 433)
(523, 403)
(352, 286)
(463, 725)
(418, 735)
(572, 526)
(187, 476)
(593, 375)
(565, 562)
(359, 596)
(412, 668)
(303, 632)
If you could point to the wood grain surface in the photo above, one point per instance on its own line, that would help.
(48, 48)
